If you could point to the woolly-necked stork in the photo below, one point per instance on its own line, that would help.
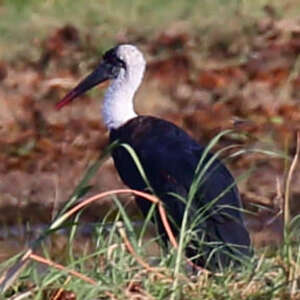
(169, 157)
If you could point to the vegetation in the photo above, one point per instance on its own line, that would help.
(115, 265)
(25, 23)
(231, 58)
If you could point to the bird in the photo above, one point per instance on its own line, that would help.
(169, 158)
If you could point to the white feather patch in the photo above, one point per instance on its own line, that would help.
(118, 106)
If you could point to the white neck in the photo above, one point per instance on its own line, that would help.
(118, 106)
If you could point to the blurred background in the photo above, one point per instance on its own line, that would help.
(212, 65)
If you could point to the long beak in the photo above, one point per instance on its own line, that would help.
(103, 72)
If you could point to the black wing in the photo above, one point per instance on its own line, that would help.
(169, 157)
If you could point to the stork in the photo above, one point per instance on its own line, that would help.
(169, 157)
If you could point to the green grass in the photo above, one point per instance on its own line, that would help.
(114, 269)
(119, 274)
(25, 24)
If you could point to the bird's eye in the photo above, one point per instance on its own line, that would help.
(121, 63)
(111, 57)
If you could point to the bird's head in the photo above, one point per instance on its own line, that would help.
(123, 61)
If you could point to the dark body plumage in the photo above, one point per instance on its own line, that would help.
(169, 158)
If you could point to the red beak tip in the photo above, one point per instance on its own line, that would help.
(59, 105)
(63, 102)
